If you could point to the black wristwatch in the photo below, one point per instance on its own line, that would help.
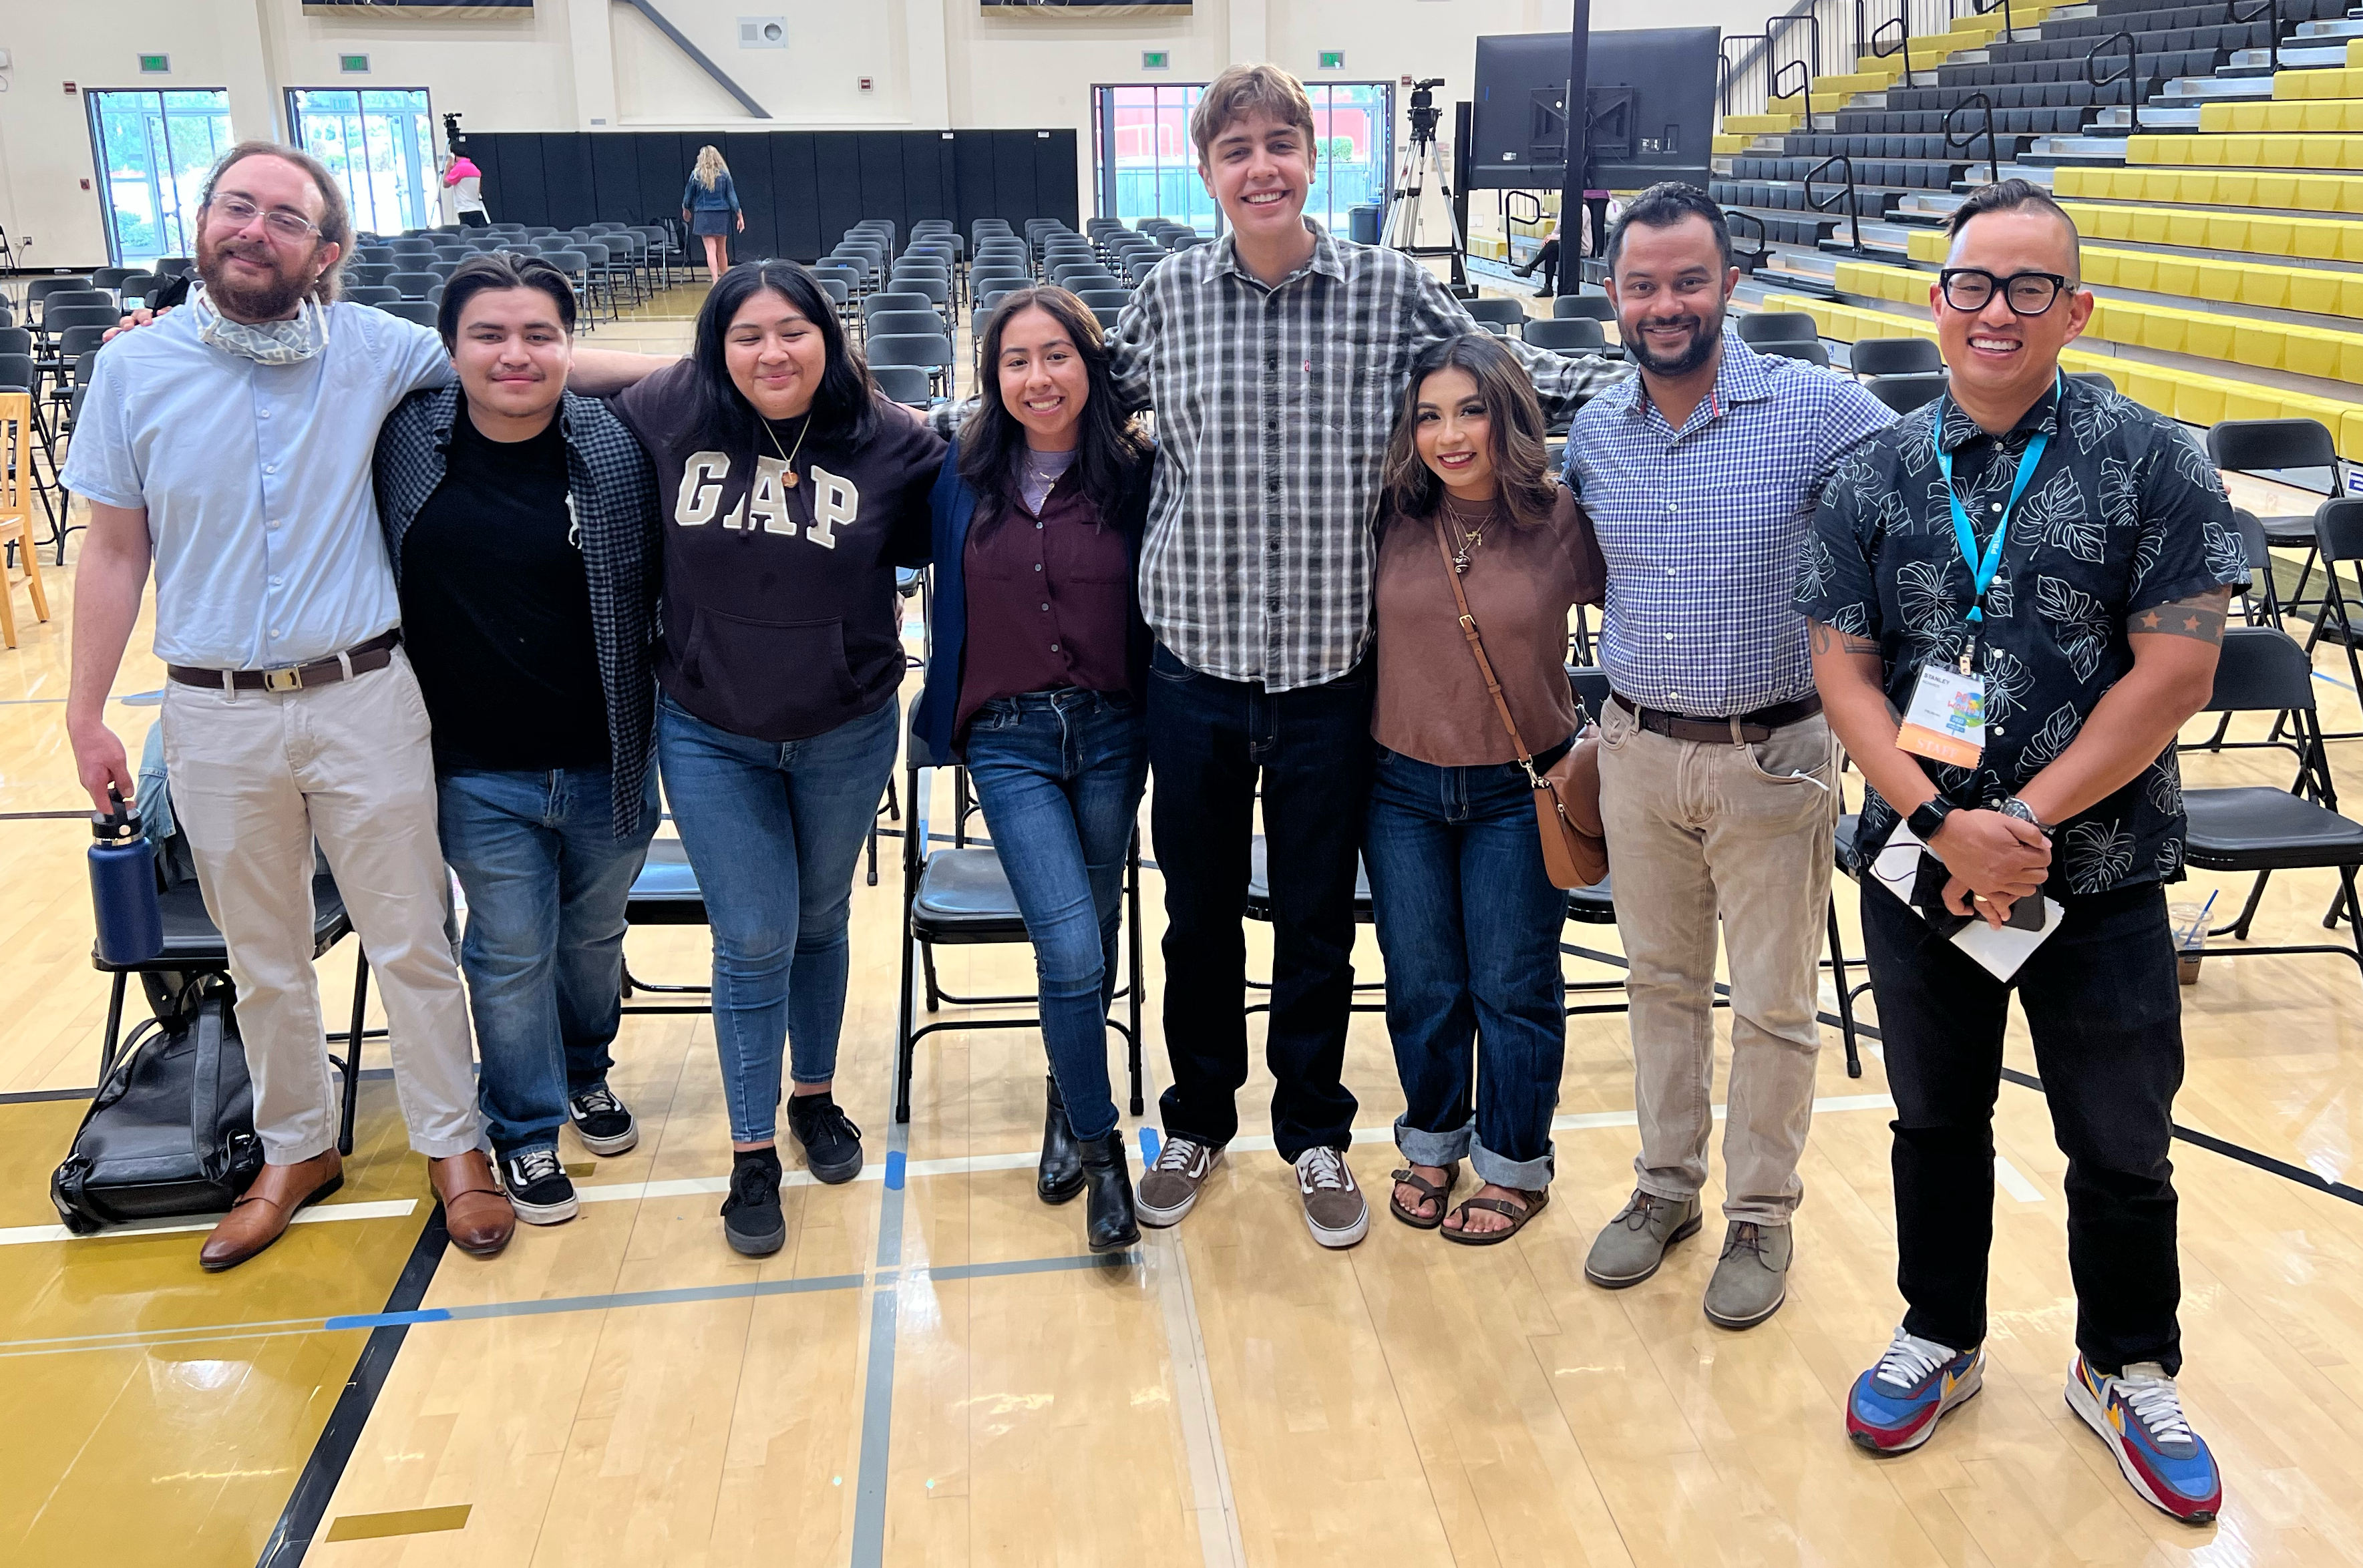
(1927, 818)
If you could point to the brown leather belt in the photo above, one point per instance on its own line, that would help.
(359, 659)
(1755, 726)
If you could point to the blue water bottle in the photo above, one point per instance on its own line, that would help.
(123, 887)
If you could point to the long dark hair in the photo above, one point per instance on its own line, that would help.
(1110, 446)
(1521, 458)
(843, 410)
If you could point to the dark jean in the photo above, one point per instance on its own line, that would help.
(546, 878)
(1469, 923)
(1209, 740)
(774, 830)
(2106, 1018)
(1060, 775)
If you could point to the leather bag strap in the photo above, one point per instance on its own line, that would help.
(1477, 646)
(205, 1086)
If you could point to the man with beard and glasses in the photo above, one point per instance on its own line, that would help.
(1717, 779)
(231, 443)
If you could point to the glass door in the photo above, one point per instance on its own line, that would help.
(1147, 167)
(1352, 120)
(378, 143)
(153, 150)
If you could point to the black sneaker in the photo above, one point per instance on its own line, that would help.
(751, 1215)
(603, 1122)
(831, 1143)
(537, 1186)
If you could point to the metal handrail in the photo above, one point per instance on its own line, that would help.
(1732, 219)
(2009, 27)
(1967, 139)
(2133, 62)
(1901, 23)
(2265, 10)
(1774, 27)
(1854, 207)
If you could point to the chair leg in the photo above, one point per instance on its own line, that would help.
(354, 1052)
(113, 1040)
(2238, 929)
(1846, 997)
(928, 961)
(1132, 914)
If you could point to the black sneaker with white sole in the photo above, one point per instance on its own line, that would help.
(752, 1217)
(537, 1185)
(603, 1122)
(831, 1143)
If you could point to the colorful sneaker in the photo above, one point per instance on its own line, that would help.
(1896, 1405)
(2139, 1413)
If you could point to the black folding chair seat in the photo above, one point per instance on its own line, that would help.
(2258, 828)
(963, 896)
(666, 891)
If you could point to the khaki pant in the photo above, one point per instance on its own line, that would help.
(1696, 831)
(256, 777)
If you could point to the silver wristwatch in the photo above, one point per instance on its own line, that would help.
(2014, 807)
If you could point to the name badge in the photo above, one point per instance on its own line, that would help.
(1947, 720)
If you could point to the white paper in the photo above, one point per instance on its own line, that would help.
(1998, 952)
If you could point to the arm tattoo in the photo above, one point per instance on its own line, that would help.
(1829, 639)
(2199, 617)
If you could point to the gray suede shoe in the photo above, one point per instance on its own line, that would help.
(1632, 1245)
(1752, 1279)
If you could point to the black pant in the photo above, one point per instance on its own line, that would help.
(2101, 1005)
(1598, 207)
(473, 219)
(1548, 259)
(1208, 740)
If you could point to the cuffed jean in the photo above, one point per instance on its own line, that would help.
(2106, 1018)
(547, 879)
(1469, 923)
(1210, 740)
(773, 830)
(1060, 775)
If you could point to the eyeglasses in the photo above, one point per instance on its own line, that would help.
(239, 212)
(2027, 294)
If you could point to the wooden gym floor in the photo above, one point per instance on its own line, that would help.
(934, 1372)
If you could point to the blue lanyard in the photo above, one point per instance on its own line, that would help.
(1983, 567)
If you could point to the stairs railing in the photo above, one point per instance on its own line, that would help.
(1853, 205)
(1965, 140)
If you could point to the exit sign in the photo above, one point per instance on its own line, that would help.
(1155, 60)
(1333, 60)
(353, 64)
(155, 65)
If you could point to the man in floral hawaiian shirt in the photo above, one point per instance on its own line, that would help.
(2071, 553)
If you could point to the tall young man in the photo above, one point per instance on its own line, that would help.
(1274, 359)
(230, 443)
(520, 519)
(1716, 777)
(2066, 555)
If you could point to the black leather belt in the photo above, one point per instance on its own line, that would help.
(359, 659)
(1755, 726)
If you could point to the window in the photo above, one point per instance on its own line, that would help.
(378, 144)
(153, 151)
(1148, 168)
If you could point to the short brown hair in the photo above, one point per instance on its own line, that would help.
(501, 270)
(1243, 90)
(336, 225)
(1521, 457)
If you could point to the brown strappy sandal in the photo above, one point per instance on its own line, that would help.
(1428, 1193)
(1517, 1216)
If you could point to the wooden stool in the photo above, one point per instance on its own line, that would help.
(17, 437)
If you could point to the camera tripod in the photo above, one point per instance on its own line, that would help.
(1404, 215)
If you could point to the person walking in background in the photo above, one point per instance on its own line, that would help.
(1468, 920)
(466, 183)
(1038, 680)
(709, 204)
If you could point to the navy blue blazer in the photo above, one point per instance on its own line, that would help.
(954, 504)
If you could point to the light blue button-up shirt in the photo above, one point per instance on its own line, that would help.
(256, 478)
(1701, 528)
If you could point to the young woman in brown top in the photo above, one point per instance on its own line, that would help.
(1467, 918)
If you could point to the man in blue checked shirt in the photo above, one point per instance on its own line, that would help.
(1717, 778)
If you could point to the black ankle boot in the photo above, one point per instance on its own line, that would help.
(1061, 1173)
(1108, 1223)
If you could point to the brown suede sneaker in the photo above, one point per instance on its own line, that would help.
(1334, 1208)
(1168, 1188)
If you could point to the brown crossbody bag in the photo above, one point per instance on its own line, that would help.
(1567, 794)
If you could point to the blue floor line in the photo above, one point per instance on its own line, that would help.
(878, 1382)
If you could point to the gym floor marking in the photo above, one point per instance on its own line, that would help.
(403, 1521)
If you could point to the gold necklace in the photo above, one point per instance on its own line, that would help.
(1470, 539)
(787, 460)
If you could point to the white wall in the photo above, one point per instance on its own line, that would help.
(590, 64)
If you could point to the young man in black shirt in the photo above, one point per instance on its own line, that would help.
(521, 523)
(2034, 573)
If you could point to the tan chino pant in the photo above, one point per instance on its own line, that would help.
(256, 777)
(1698, 832)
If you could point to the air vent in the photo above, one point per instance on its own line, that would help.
(762, 32)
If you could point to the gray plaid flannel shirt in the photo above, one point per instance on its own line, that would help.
(1273, 409)
(615, 492)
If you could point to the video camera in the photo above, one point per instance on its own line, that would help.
(452, 136)
(1425, 115)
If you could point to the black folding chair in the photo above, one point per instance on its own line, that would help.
(1811, 353)
(1904, 394)
(2338, 534)
(1508, 313)
(1595, 307)
(1895, 357)
(2273, 446)
(1567, 335)
(665, 893)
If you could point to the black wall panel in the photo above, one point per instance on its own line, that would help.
(800, 190)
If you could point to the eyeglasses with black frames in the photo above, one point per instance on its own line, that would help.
(2027, 294)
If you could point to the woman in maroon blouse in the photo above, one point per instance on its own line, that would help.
(1035, 678)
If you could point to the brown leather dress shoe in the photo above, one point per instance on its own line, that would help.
(476, 1210)
(260, 1215)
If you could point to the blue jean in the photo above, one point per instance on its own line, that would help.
(547, 879)
(1469, 923)
(773, 830)
(1060, 775)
